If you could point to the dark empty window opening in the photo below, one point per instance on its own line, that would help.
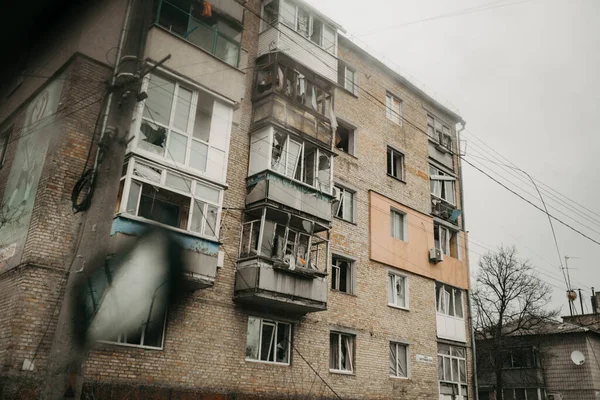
(395, 164)
(345, 140)
(341, 274)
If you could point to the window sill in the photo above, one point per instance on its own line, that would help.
(347, 91)
(394, 122)
(135, 346)
(397, 179)
(345, 220)
(402, 378)
(277, 364)
(398, 307)
(341, 372)
(168, 227)
(342, 292)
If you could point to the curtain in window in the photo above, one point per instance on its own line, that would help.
(444, 240)
(334, 354)
(347, 353)
(402, 359)
(252, 338)
(393, 359)
(400, 291)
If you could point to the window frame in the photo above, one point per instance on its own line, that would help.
(275, 324)
(349, 85)
(390, 99)
(352, 338)
(392, 277)
(393, 212)
(352, 193)
(397, 344)
(118, 342)
(440, 301)
(296, 28)
(441, 135)
(391, 152)
(443, 178)
(5, 135)
(211, 144)
(350, 274)
(451, 357)
(130, 177)
(352, 138)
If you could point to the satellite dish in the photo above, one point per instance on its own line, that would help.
(577, 357)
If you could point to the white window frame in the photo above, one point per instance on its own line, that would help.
(446, 181)
(392, 290)
(122, 337)
(346, 193)
(276, 325)
(401, 155)
(392, 112)
(407, 355)
(403, 229)
(352, 138)
(444, 247)
(321, 186)
(167, 157)
(350, 274)
(439, 131)
(350, 85)
(352, 341)
(311, 18)
(206, 232)
(459, 360)
(443, 302)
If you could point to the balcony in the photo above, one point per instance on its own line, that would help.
(288, 94)
(192, 41)
(444, 210)
(269, 187)
(201, 255)
(283, 262)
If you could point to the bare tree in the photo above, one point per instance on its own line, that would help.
(510, 302)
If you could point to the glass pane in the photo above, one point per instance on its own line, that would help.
(463, 371)
(164, 206)
(449, 189)
(532, 394)
(227, 51)
(155, 327)
(198, 217)
(519, 394)
(147, 172)
(211, 221)
(328, 39)
(288, 14)
(277, 158)
(203, 117)
(132, 201)
(402, 361)
(252, 338)
(447, 370)
(279, 241)
(207, 192)
(458, 303)
(267, 341)
(458, 351)
(393, 360)
(324, 173)
(293, 157)
(201, 35)
(268, 239)
(178, 182)
(283, 343)
(400, 286)
(443, 349)
(152, 138)
(440, 368)
(160, 99)
(349, 206)
(177, 147)
(198, 156)
(391, 291)
(344, 277)
(182, 109)
(454, 370)
(334, 353)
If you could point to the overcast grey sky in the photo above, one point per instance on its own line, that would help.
(524, 74)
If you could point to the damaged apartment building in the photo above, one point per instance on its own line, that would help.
(315, 191)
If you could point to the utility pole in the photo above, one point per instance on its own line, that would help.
(64, 376)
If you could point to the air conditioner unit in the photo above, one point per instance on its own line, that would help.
(436, 255)
(337, 194)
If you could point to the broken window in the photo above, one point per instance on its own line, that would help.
(301, 161)
(345, 209)
(452, 370)
(270, 14)
(397, 290)
(282, 238)
(342, 274)
(176, 124)
(345, 139)
(398, 224)
(395, 163)
(448, 300)
(442, 185)
(399, 360)
(268, 341)
(341, 349)
(393, 108)
(264, 79)
(439, 132)
(168, 198)
(446, 240)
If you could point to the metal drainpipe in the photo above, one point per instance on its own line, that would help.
(462, 202)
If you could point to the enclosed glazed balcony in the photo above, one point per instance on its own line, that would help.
(283, 262)
(292, 96)
(299, 30)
